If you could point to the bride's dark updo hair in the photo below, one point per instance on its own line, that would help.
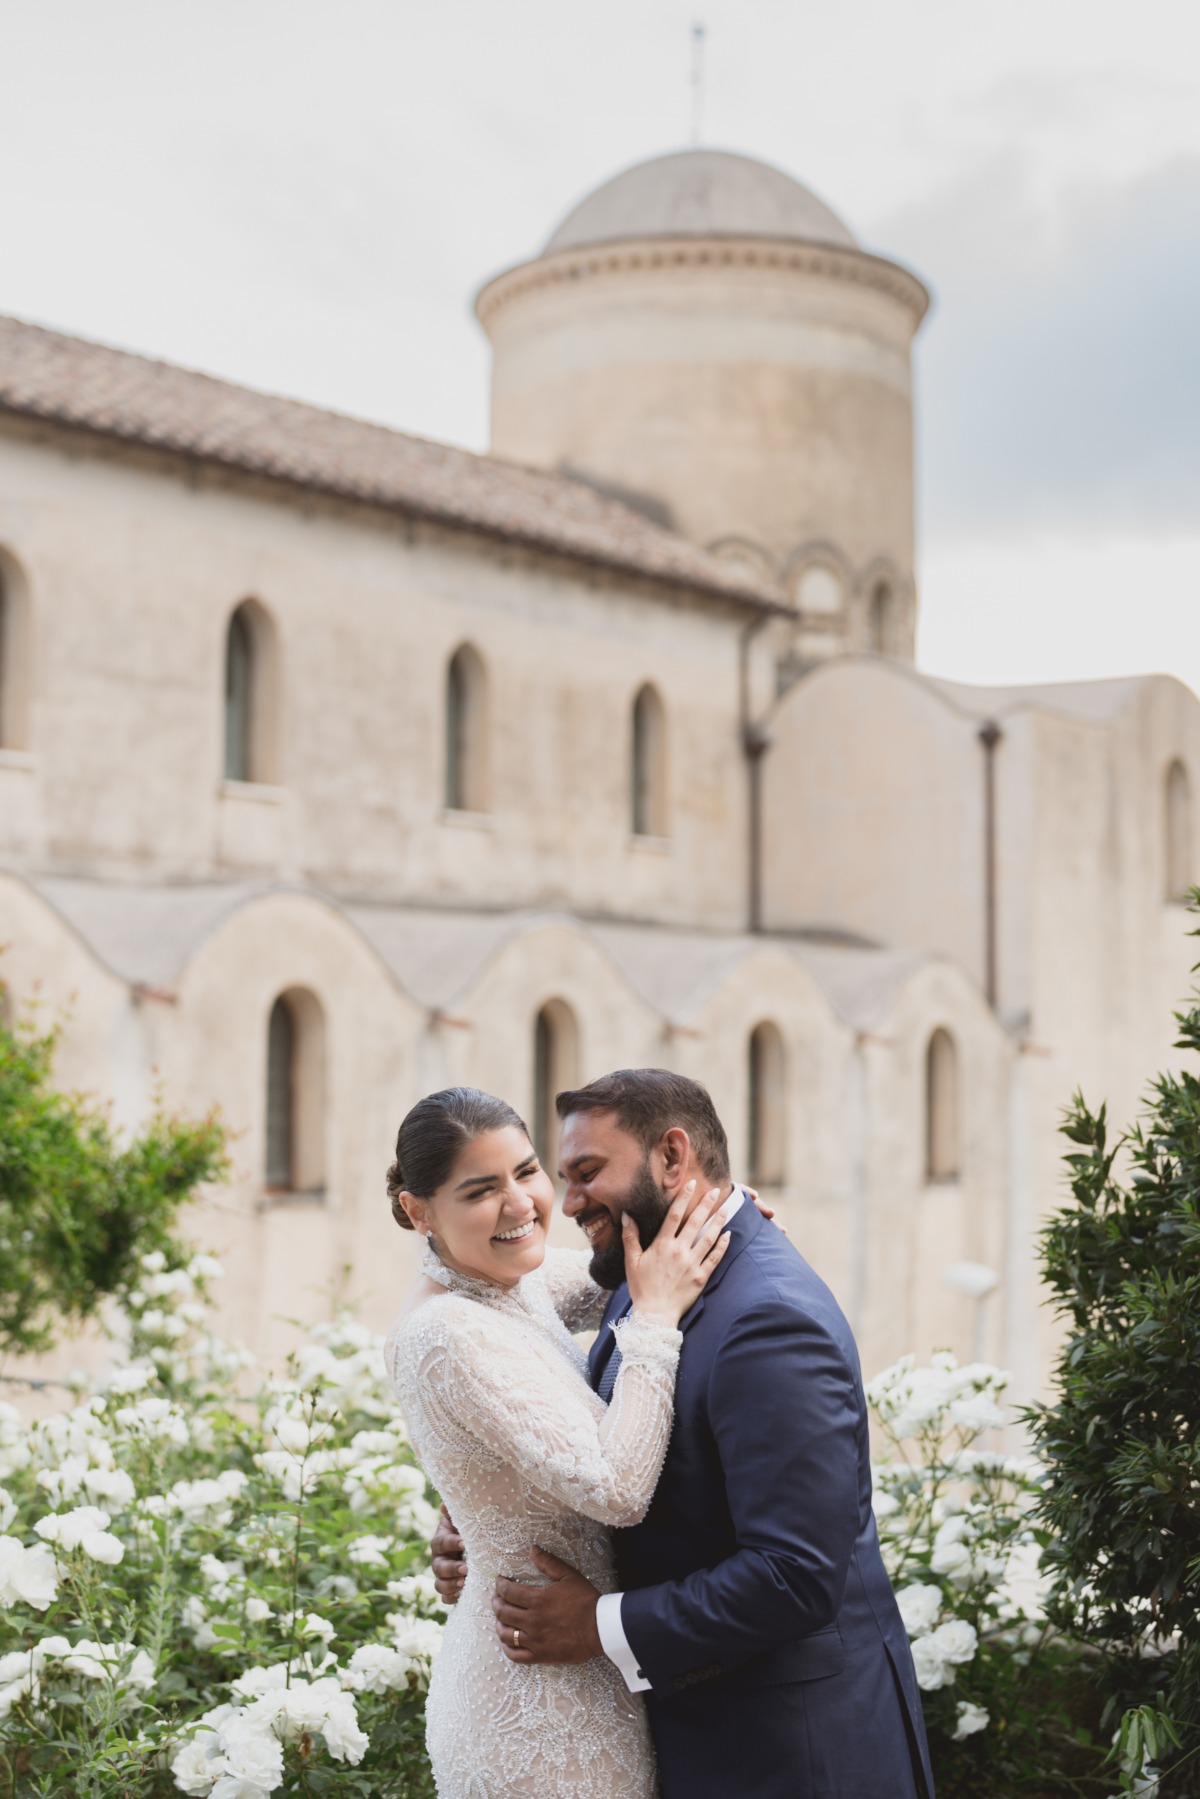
(431, 1136)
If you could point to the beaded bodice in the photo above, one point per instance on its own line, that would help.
(495, 1394)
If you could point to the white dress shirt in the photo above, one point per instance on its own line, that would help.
(613, 1640)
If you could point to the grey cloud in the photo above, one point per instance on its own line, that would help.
(1060, 373)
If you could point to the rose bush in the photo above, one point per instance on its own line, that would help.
(210, 1582)
(960, 1539)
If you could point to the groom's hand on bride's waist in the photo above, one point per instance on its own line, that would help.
(555, 1623)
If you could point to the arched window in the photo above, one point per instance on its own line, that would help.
(295, 1125)
(466, 727)
(648, 765)
(555, 1066)
(250, 695)
(942, 1151)
(767, 1108)
(881, 620)
(1180, 859)
(13, 656)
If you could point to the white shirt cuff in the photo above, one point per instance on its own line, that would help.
(615, 1643)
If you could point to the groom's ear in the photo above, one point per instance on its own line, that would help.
(676, 1152)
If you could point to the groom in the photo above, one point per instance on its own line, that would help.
(754, 1608)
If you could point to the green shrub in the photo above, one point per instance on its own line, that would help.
(1121, 1438)
(1006, 1698)
(77, 1206)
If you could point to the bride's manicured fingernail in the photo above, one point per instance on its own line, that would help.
(691, 1187)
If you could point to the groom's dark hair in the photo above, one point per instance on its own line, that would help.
(649, 1102)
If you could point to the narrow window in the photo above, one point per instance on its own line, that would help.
(767, 1108)
(281, 1057)
(555, 1066)
(465, 730)
(251, 684)
(942, 1153)
(14, 672)
(880, 620)
(648, 768)
(239, 680)
(1180, 864)
(295, 1121)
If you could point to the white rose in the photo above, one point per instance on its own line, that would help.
(293, 1435)
(252, 1756)
(970, 1719)
(112, 1485)
(10, 1695)
(68, 1529)
(370, 1552)
(976, 1414)
(315, 1626)
(102, 1546)
(27, 1576)
(919, 1606)
(198, 1764)
(932, 1672)
(376, 1668)
(956, 1640)
(257, 1610)
(954, 1561)
(345, 1741)
(257, 1681)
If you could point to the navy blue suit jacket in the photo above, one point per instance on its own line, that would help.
(756, 1600)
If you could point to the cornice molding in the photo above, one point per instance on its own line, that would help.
(639, 255)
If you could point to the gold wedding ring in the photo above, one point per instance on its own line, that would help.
(516, 1639)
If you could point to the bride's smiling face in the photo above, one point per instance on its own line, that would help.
(490, 1217)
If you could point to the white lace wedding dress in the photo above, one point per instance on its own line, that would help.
(496, 1398)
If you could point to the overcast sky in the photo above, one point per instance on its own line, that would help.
(304, 195)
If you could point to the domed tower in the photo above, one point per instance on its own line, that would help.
(705, 339)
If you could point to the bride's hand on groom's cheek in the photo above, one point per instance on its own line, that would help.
(548, 1624)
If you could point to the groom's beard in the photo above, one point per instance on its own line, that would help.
(647, 1205)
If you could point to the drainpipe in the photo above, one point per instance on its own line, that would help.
(990, 735)
(755, 744)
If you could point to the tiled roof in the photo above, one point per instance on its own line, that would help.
(85, 386)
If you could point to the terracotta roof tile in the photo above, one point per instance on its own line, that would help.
(68, 381)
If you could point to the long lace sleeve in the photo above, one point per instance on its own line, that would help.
(488, 1384)
(573, 1293)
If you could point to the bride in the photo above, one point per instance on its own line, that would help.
(495, 1393)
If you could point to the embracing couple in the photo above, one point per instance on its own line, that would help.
(666, 1569)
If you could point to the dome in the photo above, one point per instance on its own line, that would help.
(700, 193)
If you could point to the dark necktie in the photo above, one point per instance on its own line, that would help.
(612, 1367)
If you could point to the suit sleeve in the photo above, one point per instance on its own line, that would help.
(784, 1408)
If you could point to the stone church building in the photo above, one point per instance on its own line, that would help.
(337, 765)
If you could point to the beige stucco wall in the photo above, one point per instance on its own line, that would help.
(856, 1200)
(875, 823)
(760, 394)
(132, 574)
